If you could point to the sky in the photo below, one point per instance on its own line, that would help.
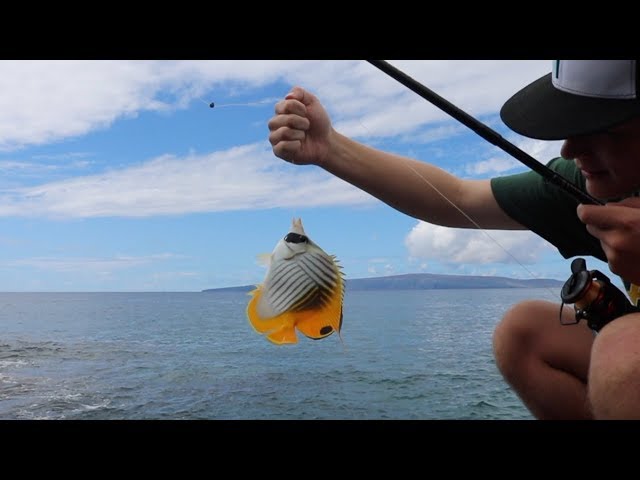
(118, 176)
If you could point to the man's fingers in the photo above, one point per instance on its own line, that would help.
(301, 95)
(287, 149)
(290, 121)
(607, 216)
(284, 134)
(628, 202)
(291, 106)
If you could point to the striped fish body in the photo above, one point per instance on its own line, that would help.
(303, 290)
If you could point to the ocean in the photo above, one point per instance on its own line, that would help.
(415, 355)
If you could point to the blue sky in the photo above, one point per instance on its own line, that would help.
(117, 176)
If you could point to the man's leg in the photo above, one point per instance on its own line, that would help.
(614, 376)
(545, 362)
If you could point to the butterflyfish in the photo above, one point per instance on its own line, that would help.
(303, 289)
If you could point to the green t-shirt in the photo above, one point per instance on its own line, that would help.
(550, 212)
(547, 210)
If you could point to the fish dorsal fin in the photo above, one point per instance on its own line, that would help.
(264, 259)
(296, 226)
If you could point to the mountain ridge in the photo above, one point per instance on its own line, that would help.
(428, 281)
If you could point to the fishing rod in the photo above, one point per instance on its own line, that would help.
(594, 297)
(485, 132)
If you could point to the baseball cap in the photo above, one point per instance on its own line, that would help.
(578, 97)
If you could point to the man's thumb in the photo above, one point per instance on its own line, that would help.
(300, 94)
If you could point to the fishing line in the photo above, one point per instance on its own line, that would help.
(202, 100)
(257, 103)
(246, 104)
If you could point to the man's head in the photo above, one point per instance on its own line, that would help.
(595, 106)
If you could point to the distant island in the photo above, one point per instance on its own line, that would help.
(428, 281)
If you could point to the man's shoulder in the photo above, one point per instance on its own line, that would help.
(560, 163)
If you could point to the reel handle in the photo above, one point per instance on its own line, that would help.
(593, 296)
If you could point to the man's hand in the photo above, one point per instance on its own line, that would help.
(301, 130)
(617, 226)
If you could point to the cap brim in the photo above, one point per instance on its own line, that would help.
(542, 111)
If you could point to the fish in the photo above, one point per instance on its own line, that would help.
(303, 290)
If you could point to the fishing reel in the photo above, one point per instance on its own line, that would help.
(593, 296)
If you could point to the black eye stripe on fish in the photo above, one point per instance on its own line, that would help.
(292, 237)
(303, 290)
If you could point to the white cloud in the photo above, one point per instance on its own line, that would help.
(492, 165)
(44, 101)
(378, 260)
(18, 166)
(468, 246)
(386, 269)
(435, 134)
(246, 177)
(102, 266)
(380, 266)
(540, 150)
(478, 87)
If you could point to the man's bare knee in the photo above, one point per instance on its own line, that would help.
(614, 375)
(532, 329)
(515, 334)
